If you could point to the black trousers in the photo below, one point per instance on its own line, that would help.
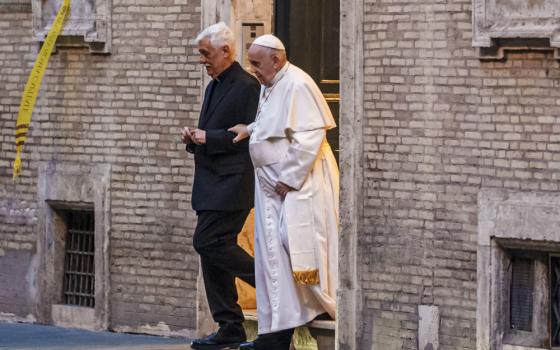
(215, 240)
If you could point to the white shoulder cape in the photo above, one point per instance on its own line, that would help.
(295, 104)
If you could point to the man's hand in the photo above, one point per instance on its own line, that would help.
(282, 189)
(186, 136)
(198, 136)
(241, 131)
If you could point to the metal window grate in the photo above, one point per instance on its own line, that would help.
(555, 300)
(79, 263)
(521, 297)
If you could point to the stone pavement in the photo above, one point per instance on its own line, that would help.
(19, 336)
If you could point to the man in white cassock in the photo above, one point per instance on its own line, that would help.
(296, 197)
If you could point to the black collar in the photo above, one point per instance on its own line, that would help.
(224, 75)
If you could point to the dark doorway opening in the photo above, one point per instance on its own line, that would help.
(310, 30)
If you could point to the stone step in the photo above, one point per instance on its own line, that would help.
(316, 335)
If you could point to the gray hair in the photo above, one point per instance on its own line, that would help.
(219, 35)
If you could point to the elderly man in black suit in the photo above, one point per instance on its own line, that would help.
(223, 188)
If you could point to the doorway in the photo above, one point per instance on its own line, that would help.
(310, 30)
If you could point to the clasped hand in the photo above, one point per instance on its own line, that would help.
(282, 189)
(195, 136)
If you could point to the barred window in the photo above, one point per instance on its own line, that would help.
(521, 297)
(79, 262)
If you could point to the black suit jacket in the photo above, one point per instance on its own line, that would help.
(223, 175)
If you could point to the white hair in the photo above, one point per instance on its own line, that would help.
(219, 35)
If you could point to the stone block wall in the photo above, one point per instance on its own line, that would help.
(439, 125)
(125, 109)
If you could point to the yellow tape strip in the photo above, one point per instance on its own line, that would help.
(31, 90)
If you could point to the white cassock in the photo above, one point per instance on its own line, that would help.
(288, 144)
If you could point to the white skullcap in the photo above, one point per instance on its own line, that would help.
(269, 40)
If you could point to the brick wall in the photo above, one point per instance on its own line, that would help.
(125, 109)
(17, 210)
(439, 125)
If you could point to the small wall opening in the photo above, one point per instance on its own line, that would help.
(79, 258)
(521, 299)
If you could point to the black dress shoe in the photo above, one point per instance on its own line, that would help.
(224, 338)
(271, 341)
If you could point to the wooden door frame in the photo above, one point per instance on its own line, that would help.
(349, 325)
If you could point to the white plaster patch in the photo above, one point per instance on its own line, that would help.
(31, 278)
(428, 327)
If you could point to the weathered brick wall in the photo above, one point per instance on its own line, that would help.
(439, 125)
(17, 214)
(125, 109)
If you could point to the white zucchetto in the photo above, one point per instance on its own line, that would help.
(269, 40)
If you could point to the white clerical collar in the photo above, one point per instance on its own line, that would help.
(279, 74)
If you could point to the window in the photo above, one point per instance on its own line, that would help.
(525, 298)
(525, 314)
(521, 294)
(73, 239)
(79, 258)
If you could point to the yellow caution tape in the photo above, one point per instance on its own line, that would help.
(31, 90)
